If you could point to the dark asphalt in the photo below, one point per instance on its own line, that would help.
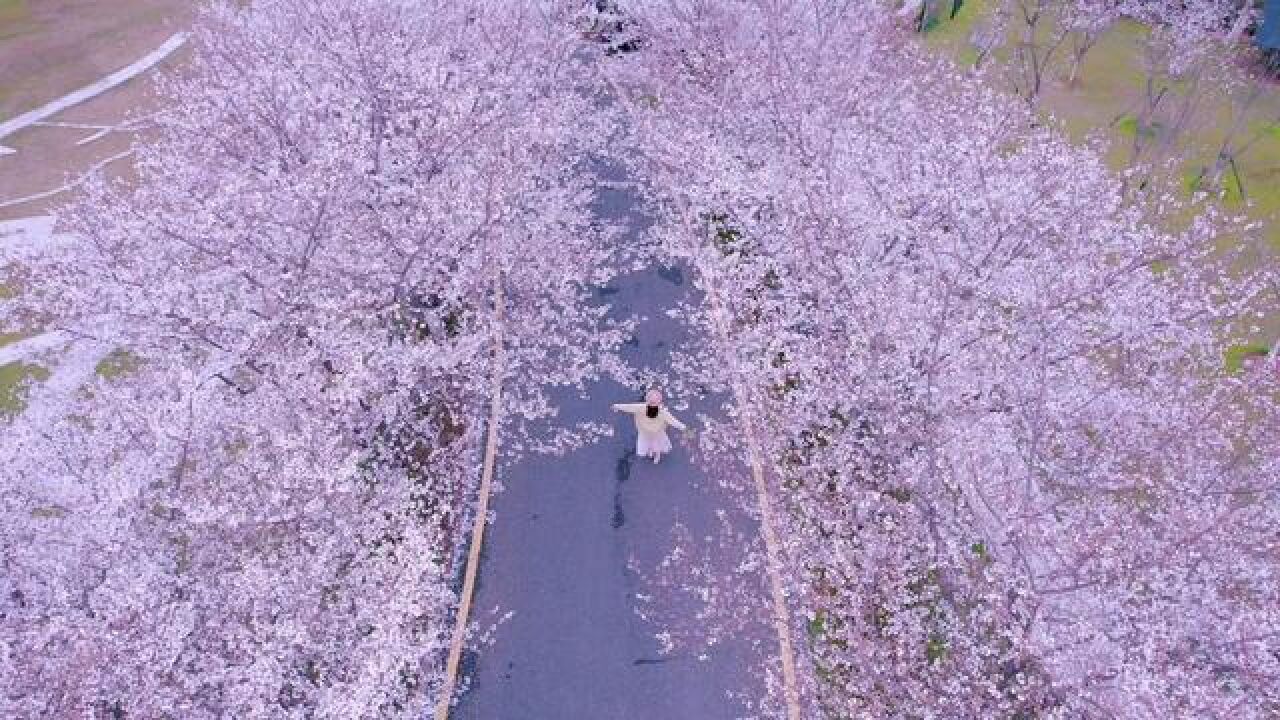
(569, 533)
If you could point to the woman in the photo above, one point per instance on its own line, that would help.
(652, 420)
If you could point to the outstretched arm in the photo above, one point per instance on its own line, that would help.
(632, 408)
(671, 420)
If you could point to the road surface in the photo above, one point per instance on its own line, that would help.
(570, 534)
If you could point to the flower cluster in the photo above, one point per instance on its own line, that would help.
(260, 516)
(1014, 477)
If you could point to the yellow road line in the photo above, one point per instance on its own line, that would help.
(781, 615)
(482, 511)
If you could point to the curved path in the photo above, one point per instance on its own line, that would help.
(566, 535)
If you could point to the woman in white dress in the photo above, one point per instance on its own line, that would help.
(652, 420)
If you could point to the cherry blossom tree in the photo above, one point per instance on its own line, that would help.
(1016, 481)
(1087, 21)
(1041, 36)
(344, 207)
(1042, 29)
(1178, 55)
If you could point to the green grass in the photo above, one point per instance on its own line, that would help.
(117, 364)
(12, 11)
(936, 648)
(10, 338)
(1192, 180)
(1235, 355)
(1106, 99)
(955, 32)
(15, 383)
(1127, 125)
(818, 625)
(7, 292)
(1232, 192)
(14, 17)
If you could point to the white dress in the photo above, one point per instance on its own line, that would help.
(651, 432)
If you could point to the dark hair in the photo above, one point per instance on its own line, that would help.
(651, 410)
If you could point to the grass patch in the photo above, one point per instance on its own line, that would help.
(1228, 190)
(936, 648)
(1104, 102)
(818, 625)
(1232, 193)
(1128, 126)
(15, 16)
(12, 11)
(1192, 180)
(15, 384)
(1235, 355)
(117, 364)
(11, 338)
(956, 32)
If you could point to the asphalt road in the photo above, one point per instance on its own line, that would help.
(573, 538)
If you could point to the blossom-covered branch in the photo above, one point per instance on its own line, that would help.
(259, 517)
(1019, 483)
